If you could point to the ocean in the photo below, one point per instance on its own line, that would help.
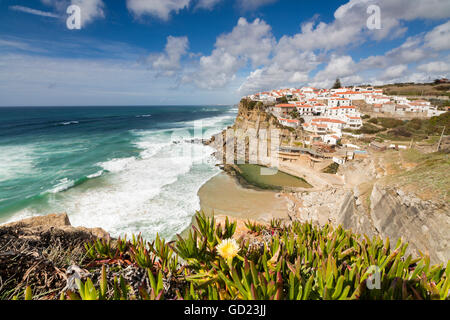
(124, 169)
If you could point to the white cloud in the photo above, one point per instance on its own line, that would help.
(90, 9)
(439, 37)
(158, 8)
(247, 43)
(350, 23)
(394, 72)
(34, 11)
(168, 63)
(435, 67)
(253, 41)
(288, 67)
(276, 76)
(253, 4)
(338, 67)
(207, 4)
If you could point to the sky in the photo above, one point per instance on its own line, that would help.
(196, 52)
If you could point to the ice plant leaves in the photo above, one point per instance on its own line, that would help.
(296, 261)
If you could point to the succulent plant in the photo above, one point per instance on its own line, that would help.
(298, 261)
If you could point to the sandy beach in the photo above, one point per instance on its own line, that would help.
(222, 195)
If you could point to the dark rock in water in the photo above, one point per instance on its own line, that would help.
(199, 141)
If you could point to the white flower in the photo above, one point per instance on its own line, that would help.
(228, 249)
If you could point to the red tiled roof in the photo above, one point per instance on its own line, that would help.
(343, 107)
(328, 120)
(290, 120)
(285, 106)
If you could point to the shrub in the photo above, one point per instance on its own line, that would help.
(400, 132)
(368, 128)
(390, 123)
(283, 261)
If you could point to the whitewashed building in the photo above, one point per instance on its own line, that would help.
(293, 123)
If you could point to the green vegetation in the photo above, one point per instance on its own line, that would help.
(416, 89)
(294, 114)
(421, 129)
(294, 262)
(283, 99)
(332, 168)
(394, 129)
(430, 176)
(368, 128)
(250, 104)
(389, 123)
(337, 84)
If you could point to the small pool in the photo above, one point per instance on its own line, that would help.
(267, 178)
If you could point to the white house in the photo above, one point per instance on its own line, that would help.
(316, 128)
(335, 125)
(353, 122)
(434, 112)
(293, 123)
(319, 108)
(341, 111)
(331, 139)
(388, 107)
(305, 110)
(282, 110)
(376, 99)
(335, 102)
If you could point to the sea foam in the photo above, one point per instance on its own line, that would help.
(153, 192)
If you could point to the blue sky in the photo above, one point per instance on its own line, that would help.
(165, 52)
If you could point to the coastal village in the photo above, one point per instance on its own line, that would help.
(324, 117)
(326, 112)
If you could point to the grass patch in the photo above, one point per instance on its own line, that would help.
(332, 168)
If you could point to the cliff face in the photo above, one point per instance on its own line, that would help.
(252, 120)
(253, 117)
(385, 211)
(425, 224)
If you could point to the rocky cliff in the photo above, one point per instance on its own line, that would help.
(251, 120)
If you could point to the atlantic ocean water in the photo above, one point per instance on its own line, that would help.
(124, 169)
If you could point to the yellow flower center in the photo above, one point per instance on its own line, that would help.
(228, 249)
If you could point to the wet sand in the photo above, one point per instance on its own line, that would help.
(222, 195)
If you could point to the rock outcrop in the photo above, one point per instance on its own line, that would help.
(36, 250)
(50, 226)
(386, 212)
(251, 121)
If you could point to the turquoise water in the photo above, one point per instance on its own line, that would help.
(125, 169)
